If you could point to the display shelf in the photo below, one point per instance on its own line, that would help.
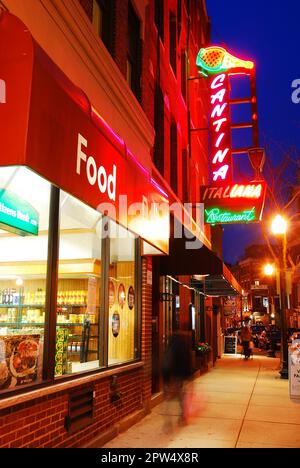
(20, 325)
(40, 306)
(73, 324)
(23, 324)
(22, 306)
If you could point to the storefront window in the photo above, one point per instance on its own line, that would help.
(122, 301)
(78, 344)
(24, 220)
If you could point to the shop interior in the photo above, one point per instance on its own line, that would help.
(80, 313)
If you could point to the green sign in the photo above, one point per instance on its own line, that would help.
(17, 215)
(219, 216)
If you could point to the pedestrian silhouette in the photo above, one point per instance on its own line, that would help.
(177, 368)
(245, 339)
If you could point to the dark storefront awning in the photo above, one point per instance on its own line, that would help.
(217, 280)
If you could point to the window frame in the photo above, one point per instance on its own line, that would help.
(48, 377)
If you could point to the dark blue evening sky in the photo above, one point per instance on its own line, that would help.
(267, 32)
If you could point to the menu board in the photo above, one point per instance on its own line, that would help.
(230, 344)
(18, 360)
(294, 370)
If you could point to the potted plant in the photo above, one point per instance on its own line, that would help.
(202, 352)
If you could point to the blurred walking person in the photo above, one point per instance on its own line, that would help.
(177, 369)
(246, 336)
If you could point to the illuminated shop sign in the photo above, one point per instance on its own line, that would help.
(233, 203)
(253, 191)
(17, 215)
(213, 60)
(226, 202)
(220, 216)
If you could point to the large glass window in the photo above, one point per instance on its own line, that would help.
(78, 344)
(122, 297)
(24, 220)
(96, 267)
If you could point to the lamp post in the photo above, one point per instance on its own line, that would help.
(269, 270)
(279, 228)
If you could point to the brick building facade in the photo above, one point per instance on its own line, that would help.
(135, 61)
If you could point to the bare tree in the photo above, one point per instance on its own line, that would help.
(282, 174)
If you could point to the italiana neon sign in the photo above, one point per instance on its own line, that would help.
(237, 191)
(220, 132)
(214, 60)
(233, 203)
(218, 216)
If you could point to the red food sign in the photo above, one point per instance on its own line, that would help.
(49, 125)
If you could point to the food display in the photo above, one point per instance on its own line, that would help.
(62, 335)
(18, 360)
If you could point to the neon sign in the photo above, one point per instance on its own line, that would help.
(233, 203)
(227, 202)
(220, 131)
(253, 191)
(213, 60)
(217, 216)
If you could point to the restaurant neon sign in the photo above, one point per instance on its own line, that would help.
(219, 216)
(226, 202)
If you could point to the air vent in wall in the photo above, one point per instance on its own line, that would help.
(81, 409)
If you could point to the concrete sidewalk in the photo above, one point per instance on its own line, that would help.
(244, 404)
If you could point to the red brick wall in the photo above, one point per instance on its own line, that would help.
(40, 423)
(147, 329)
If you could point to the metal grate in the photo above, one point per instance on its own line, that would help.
(81, 409)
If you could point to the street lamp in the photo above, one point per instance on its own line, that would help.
(269, 270)
(279, 228)
(279, 225)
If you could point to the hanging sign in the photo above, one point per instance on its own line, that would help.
(17, 215)
(233, 203)
(224, 201)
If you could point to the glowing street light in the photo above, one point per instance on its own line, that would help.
(269, 269)
(279, 228)
(279, 225)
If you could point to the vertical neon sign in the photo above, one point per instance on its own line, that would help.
(220, 132)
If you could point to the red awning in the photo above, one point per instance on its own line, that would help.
(48, 124)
